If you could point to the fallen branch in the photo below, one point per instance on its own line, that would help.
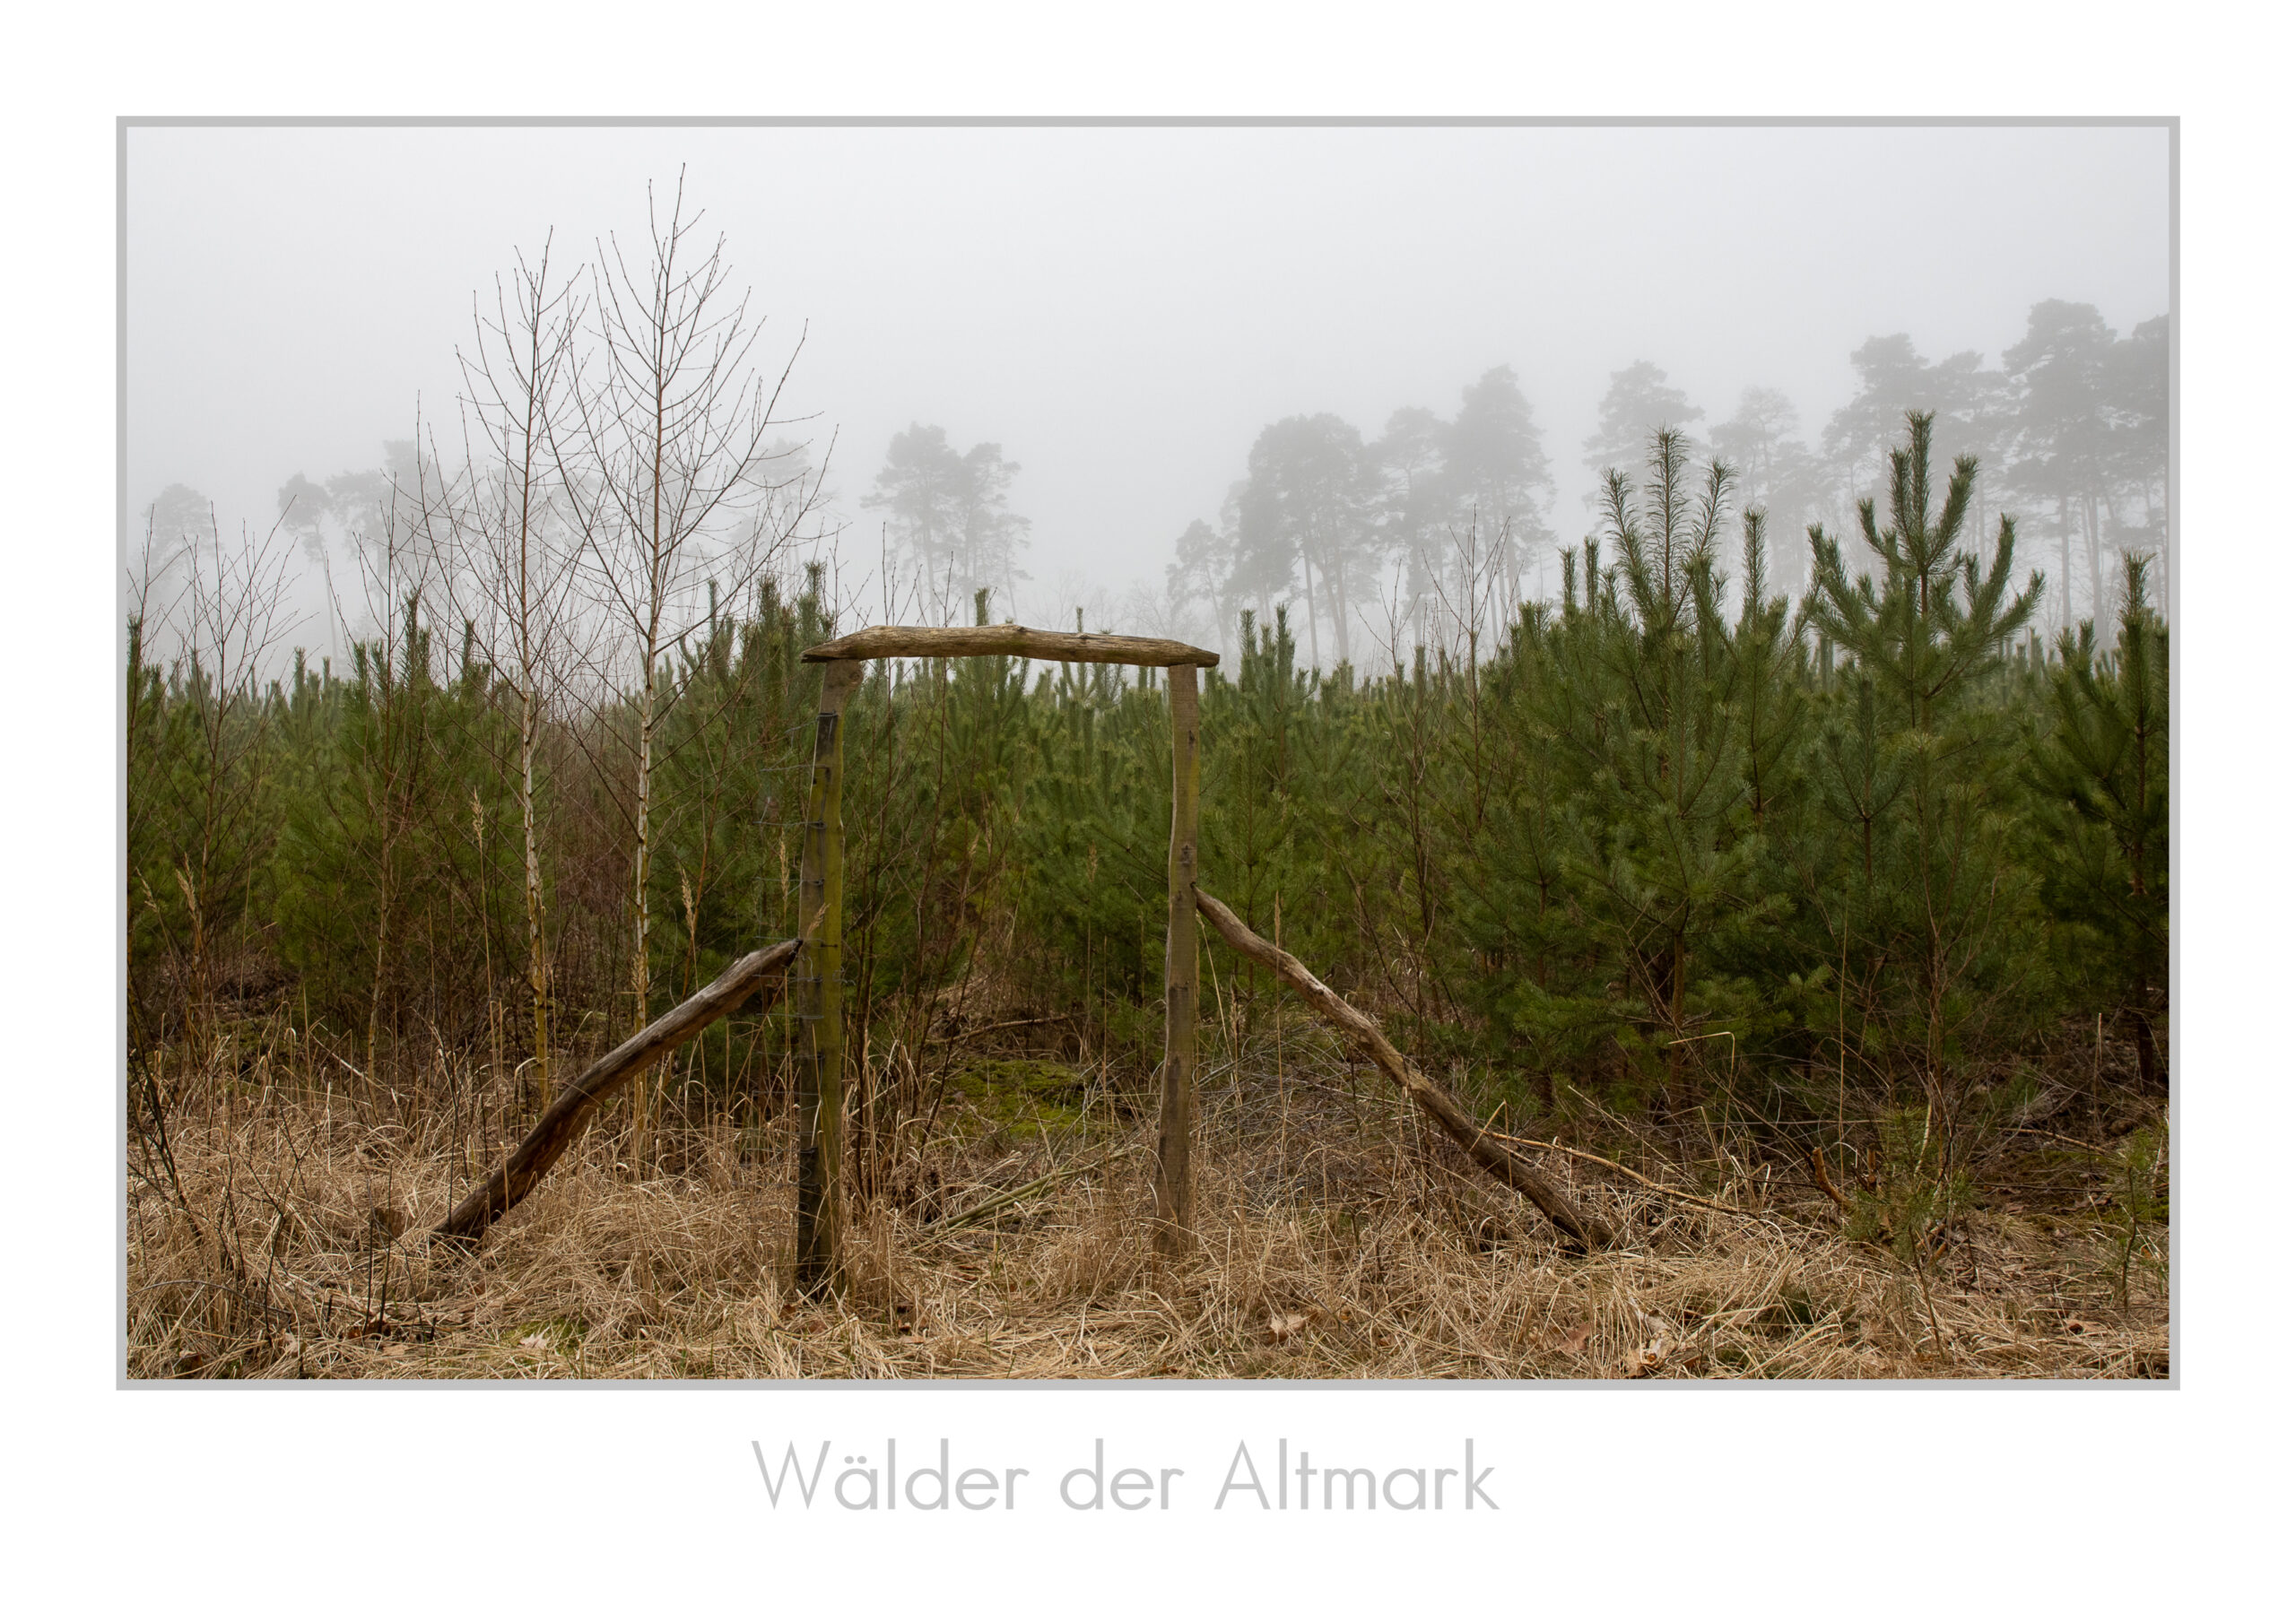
(563, 1121)
(1483, 1147)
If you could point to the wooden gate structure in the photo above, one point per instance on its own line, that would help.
(821, 1081)
(809, 967)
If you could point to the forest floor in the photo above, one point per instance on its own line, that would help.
(1338, 1240)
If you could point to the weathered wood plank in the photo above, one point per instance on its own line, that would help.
(1435, 1099)
(571, 1109)
(964, 641)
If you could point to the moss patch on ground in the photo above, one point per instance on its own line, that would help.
(1028, 1097)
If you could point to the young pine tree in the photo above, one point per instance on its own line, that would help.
(2100, 764)
(1913, 773)
(1666, 860)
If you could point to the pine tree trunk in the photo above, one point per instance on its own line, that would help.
(2096, 566)
(2064, 560)
(1315, 654)
(2148, 1052)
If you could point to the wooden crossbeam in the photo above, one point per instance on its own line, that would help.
(964, 641)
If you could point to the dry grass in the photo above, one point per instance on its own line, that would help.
(1338, 1242)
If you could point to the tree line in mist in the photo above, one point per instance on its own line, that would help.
(1439, 526)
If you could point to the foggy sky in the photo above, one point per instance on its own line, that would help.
(1122, 309)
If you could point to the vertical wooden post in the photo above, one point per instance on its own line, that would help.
(1176, 1121)
(820, 999)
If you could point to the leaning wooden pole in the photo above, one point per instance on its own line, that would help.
(570, 1110)
(818, 996)
(1486, 1150)
(1176, 1119)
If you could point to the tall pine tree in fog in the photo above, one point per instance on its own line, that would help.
(1497, 469)
(1776, 471)
(1411, 496)
(1638, 401)
(1303, 507)
(949, 521)
(2137, 408)
(2060, 373)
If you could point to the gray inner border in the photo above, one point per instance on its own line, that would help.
(2173, 594)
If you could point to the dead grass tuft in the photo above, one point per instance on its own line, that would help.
(1338, 1242)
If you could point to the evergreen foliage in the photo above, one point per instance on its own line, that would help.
(1678, 847)
(395, 885)
(2099, 761)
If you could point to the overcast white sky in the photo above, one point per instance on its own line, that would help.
(1122, 309)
